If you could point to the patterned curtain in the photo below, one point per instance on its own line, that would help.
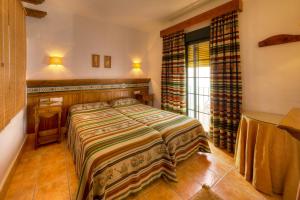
(226, 83)
(173, 73)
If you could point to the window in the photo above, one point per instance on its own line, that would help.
(198, 82)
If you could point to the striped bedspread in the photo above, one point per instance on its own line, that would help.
(182, 135)
(115, 155)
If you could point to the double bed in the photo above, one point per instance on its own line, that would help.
(182, 135)
(120, 148)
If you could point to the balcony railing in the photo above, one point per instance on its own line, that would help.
(199, 106)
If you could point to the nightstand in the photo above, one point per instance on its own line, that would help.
(145, 98)
(51, 113)
(148, 99)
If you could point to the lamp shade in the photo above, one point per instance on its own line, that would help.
(136, 65)
(55, 60)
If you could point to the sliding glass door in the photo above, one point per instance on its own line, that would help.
(198, 82)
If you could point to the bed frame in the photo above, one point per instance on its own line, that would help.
(78, 91)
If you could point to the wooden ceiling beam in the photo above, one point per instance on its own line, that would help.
(35, 13)
(36, 2)
(215, 12)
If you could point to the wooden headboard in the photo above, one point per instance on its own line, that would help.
(80, 91)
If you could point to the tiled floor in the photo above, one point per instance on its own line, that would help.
(48, 173)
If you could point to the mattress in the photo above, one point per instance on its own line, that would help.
(182, 135)
(115, 155)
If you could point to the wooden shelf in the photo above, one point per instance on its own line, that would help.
(279, 39)
(35, 13)
(36, 2)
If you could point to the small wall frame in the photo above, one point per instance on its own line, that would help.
(95, 60)
(107, 61)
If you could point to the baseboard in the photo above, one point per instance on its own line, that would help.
(11, 170)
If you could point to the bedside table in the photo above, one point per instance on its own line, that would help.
(145, 98)
(148, 98)
(51, 113)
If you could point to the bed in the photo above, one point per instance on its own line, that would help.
(182, 135)
(114, 155)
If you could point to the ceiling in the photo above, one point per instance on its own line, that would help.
(138, 14)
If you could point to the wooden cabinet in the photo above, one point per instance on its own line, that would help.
(48, 135)
(12, 60)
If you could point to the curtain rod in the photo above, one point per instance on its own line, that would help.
(215, 12)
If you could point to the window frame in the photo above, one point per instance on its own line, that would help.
(197, 36)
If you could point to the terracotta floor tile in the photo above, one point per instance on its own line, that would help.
(137, 196)
(161, 190)
(72, 177)
(57, 190)
(51, 149)
(190, 179)
(24, 180)
(58, 150)
(70, 162)
(29, 144)
(185, 188)
(233, 186)
(29, 165)
(73, 184)
(69, 156)
(50, 160)
(201, 169)
(142, 195)
(30, 155)
(53, 172)
(21, 193)
(49, 173)
(209, 161)
(222, 155)
(73, 190)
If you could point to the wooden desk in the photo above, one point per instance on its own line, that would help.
(267, 156)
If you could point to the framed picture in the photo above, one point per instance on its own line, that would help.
(107, 61)
(95, 60)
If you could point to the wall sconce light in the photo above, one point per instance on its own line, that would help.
(55, 60)
(136, 65)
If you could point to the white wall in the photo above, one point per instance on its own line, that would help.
(11, 139)
(155, 61)
(123, 44)
(270, 75)
(76, 38)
